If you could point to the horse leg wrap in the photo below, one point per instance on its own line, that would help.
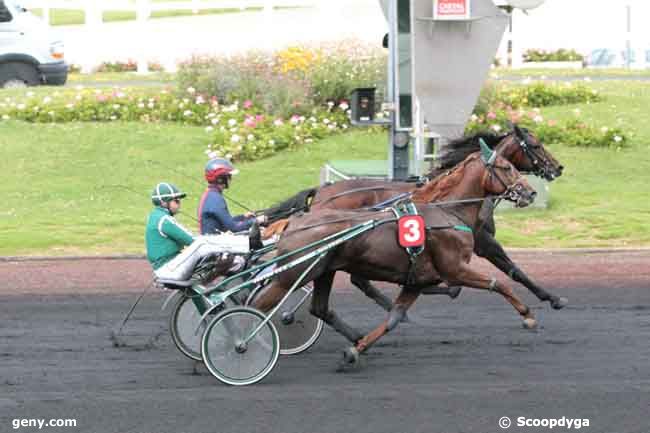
(342, 328)
(493, 284)
(396, 315)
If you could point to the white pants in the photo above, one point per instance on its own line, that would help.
(180, 267)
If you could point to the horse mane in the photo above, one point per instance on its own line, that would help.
(298, 202)
(462, 147)
(438, 188)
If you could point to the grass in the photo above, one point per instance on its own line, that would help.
(60, 198)
(584, 72)
(67, 17)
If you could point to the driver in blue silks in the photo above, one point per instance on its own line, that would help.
(213, 213)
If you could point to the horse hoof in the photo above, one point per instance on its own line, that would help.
(559, 303)
(454, 291)
(351, 355)
(350, 359)
(530, 323)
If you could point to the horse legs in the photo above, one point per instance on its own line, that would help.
(470, 278)
(403, 302)
(384, 302)
(320, 308)
(488, 247)
(372, 292)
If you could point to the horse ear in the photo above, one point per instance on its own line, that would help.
(487, 155)
(518, 131)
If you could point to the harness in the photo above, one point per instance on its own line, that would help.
(405, 209)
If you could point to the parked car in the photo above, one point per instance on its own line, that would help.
(30, 54)
(612, 58)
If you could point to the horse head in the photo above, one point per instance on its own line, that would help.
(502, 178)
(528, 154)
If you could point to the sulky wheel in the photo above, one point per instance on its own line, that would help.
(229, 357)
(184, 326)
(186, 317)
(298, 328)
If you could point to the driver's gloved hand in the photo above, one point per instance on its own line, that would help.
(255, 237)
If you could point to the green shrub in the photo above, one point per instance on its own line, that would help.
(537, 94)
(561, 55)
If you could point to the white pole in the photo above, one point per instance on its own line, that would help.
(46, 14)
(142, 15)
(93, 27)
(516, 51)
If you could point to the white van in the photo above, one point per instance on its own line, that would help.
(30, 53)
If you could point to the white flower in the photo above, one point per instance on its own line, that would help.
(191, 90)
(30, 94)
(116, 106)
(272, 142)
(232, 122)
(140, 105)
(51, 113)
(200, 100)
(21, 106)
(214, 121)
(69, 106)
(209, 129)
(344, 106)
(187, 113)
(576, 111)
(618, 139)
(47, 100)
(344, 126)
(235, 138)
(312, 119)
(113, 117)
(587, 79)
(278, 122)
(250, 137)
(150, 105)
(496, 128)
(5, 117)
(79, 87)
(604, 129)
(326, 121)
(331, 126)
(213, 154)
(309, 140)
(120, 94)
(330, 104)
(538, 119)
(474, 118)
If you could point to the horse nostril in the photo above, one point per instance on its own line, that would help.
(533, 194)
(561, 168)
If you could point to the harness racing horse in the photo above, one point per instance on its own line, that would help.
(376, 254)
(518, 146)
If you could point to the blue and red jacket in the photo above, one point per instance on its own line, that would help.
(214, 216)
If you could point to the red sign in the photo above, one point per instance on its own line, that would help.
(411, 231)
(451, 9)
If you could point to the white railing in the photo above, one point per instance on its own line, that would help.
(93, 10)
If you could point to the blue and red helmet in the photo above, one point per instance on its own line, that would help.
(219, 167)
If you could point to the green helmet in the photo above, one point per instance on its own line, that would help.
(165, 192)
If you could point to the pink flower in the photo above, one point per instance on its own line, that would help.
(491, 115)
(249, 122)
(259, 118)
(278, 122)
(248, 104)
(101, 98)
(552, 123)
(295, 119)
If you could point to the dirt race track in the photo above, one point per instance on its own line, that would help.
(459, 366)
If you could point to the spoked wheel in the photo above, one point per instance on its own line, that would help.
(298, 329)
(184, 326)
(185, 319)
(232, 360)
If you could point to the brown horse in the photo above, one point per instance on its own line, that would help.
(519, 146)
(377, 255)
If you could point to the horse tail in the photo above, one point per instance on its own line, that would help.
(299, 202)
(275, 229)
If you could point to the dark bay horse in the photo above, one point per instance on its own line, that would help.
(376, 254)
(519, 146)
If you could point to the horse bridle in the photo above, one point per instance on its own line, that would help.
(539, 169)
(512, 192)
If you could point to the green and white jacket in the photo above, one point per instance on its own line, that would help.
(165, 237)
